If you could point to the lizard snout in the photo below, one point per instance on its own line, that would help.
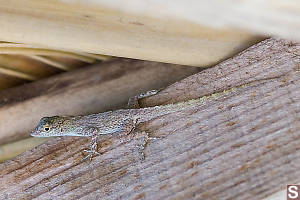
(34, 133)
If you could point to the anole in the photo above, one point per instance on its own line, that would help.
(118, 121)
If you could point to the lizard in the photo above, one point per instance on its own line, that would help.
(118, 121)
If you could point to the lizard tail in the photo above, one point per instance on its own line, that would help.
(156, 111)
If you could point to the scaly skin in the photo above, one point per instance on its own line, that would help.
(124, 120)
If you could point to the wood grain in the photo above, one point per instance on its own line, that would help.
(86, 27)
(90, 89)
(279, 18)
(12, 149)
(243, 144)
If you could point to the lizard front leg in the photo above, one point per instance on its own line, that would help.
(93, 144)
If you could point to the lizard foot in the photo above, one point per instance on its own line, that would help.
(133, 102)
(93, 148)
(145, 143)
(91, 153)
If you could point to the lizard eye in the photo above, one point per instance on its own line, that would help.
(46, 128)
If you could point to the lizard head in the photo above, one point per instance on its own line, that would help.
(50, 126)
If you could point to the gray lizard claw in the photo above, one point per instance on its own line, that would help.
(91, 153)
(143, 146)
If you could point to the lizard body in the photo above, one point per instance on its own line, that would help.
(123, 120)
(105, 123)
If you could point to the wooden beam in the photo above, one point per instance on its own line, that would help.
(10, 150)
(98, 29)
(87, 90)
(17, 74)
(15, 69)
(46, 52)
(7, 81)
(243, 144)
(51, 62)
(279, 18)
(30, 63)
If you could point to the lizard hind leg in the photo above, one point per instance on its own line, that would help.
(129, 126)
(133, 102)
(145, 143)
(129, 129)
(128, 133)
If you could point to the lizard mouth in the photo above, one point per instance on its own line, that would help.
(34, 133)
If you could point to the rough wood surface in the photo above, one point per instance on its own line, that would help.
(12, 149)
(87, 90)
(243, 144)
(86, 27)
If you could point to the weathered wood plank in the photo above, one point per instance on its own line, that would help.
(8, 81)
(269, 17)
(243, 144)
(86, 27)
(24, 65)
(12, 149)
(86, 90)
